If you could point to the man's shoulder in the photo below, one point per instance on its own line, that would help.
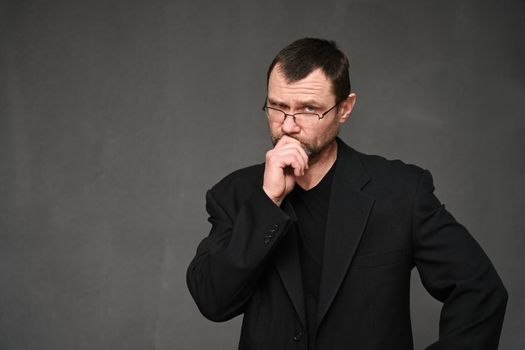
(241, 180)
(378, 165)
(385, 170)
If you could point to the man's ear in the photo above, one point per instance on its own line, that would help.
(346, 106)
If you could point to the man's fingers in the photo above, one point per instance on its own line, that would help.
(295, 148)
(287, 142)
(284, 158)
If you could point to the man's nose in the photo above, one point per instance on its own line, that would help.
(289, 126)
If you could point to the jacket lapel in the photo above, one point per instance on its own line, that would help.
(347, 217)
(286, 259)
(348, 213)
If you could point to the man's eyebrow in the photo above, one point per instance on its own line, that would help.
(310, 103)
(275, 102)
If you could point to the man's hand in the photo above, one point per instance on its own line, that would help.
(286, 161)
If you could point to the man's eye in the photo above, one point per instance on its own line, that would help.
(309, 109)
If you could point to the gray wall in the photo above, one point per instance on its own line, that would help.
(116, 116)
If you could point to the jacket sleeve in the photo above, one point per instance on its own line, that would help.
(228, 263)
(455, 270)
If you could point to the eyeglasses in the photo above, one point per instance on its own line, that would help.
(303, 118)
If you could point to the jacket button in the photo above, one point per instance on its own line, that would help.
(298, 336)
(267, 238)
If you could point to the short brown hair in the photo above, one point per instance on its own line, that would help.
(303, 56)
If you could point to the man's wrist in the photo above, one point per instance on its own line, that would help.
(277, 201)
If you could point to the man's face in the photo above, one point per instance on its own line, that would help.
(311, 94)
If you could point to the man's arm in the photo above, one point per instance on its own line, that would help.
(224, 273)
(455, 270)
(226, 269)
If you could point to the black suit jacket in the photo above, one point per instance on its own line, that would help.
(383, 220)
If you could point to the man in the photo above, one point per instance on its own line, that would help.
(316, 246)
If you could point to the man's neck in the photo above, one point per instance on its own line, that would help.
(318, 166)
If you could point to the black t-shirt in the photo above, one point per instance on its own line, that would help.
(311, 209)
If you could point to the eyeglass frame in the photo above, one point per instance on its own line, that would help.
(320, 116)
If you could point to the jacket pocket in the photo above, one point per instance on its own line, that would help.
(371, 260)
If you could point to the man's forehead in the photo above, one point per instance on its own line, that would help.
(316, 84)
(317, 73)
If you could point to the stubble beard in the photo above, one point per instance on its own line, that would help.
(311, 151)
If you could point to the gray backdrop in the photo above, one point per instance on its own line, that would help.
(117, 116)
